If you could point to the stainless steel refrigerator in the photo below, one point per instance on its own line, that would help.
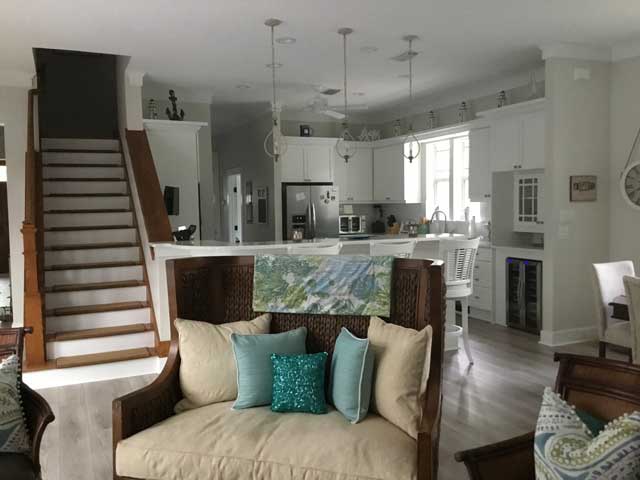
(310, 209)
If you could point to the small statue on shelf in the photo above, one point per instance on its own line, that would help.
(173, 112)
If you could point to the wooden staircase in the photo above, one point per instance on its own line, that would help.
(96, 297)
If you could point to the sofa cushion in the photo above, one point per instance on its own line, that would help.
(402, 360)
(207, 367)
(298, 383)
(216, 442)
(14, 437)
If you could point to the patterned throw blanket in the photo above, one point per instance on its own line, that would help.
(331, 285)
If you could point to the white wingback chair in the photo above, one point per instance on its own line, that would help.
(609, 284)
(459, 258)
(392, 248)
(314, 249)
(632, 289)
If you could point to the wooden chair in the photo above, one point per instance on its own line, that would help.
(607, 281)
(220, 290)
(16, 466)
(605, 388)
(632, 290)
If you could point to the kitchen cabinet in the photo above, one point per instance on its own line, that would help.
(388, 173)
(355, 178)
(505, 144)
(479, 165)
(533, 138)
(528, 209)
(481, 300)
(307, 162)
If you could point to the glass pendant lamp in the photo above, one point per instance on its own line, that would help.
(411, 139)
(274, 143)
(345, 146)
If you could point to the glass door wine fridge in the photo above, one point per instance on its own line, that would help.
(524, 294)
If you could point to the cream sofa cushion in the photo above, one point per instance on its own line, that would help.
(208, 367)
(217, 443)
(402, 360)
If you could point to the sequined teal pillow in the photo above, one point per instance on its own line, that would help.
(298, 383)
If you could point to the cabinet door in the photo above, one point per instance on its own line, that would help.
(528, 208)
(505, 144)
(318, 160)
(340, 175)
(360, 176)
(388, 174)
(292, 164)
(479, 165)
(533, 126)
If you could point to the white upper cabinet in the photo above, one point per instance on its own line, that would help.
(306, 161)
(479, 165)
(358, 186)
(388, 174)
(533, 138)
(528, 208)
(505, 144)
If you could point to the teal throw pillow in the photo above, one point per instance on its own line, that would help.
(13, 429)
(253, 363)
(351, 376)
(594, 424)
(298, 383)
(565, 448)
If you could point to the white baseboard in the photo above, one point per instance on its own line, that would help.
(565, 337)
(93, 373)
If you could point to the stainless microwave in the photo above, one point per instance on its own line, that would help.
(350, 224)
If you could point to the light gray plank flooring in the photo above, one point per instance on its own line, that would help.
(495, 399)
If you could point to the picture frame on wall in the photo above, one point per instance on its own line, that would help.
(263, 204)
(583, 188)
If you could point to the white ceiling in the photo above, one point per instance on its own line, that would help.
(210, 46)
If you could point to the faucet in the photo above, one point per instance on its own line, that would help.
(436, 214)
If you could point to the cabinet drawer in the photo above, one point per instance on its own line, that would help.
(481, 298)
(482, 273)
(484, 254)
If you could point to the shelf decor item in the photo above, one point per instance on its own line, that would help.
(502, 98)
(432, 121)
(463, 112)
(172, 112)
(152, 109)
(306, 131)
(533, 86)
(583, 188)
(274, 143)
(411, 139)
(345, 146)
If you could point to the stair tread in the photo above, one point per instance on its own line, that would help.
(86, 195)
(104, 357)
(77, 150)
(81, 266)
(106, 307)
(90, 246)
(88, 227)
(98, 332)
(83, 165)
(87, 179)
(78, 287)
(95, 210)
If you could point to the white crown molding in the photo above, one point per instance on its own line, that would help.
(625, 50)
(16, 78)
(135, 77)
(576, 51)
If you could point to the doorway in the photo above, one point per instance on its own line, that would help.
(5, 279)
(233, 206)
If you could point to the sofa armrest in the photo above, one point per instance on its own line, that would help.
(429, 438)
(509, 460)
(38, 415)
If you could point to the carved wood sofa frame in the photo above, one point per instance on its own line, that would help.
(604, 388)
(220, 289)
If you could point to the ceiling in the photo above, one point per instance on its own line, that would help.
(211, 46)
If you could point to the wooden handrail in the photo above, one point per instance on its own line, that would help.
(33, 241)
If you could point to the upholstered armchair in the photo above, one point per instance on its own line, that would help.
(605, 388)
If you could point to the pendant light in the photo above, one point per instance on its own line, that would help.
(345, 146)
(411, 138)
(275, 137)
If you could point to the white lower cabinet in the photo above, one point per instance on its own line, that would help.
(481, 300)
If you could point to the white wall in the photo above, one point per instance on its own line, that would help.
(13, 115)
(624, 224)
(577, 232)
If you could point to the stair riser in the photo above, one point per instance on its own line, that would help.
(83, 172)
(74, 257)
(85, 203)
(85, 237)
(81, 157)
(86, 219)
(98, 345)
(95, 297)
(92, 275)
(84, 187)
(69, 323)
(79, 144)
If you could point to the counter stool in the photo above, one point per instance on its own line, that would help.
(459, 257)
(392, 248)
(314, 249)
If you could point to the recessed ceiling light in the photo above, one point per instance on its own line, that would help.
(243, 86)
(286, 40)
(368, 49)
(274, 65)
(358, 94)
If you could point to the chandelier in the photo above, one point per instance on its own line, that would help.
(411, 138)
(274, 143)
(345, 146)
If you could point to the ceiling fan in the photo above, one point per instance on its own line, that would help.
(319, 104)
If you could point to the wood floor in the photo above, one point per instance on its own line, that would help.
(496, 399)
